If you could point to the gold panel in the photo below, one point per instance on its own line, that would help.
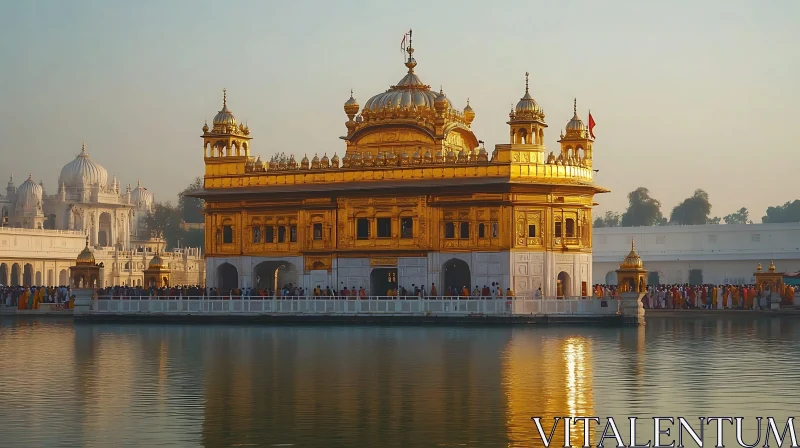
(318, 263)
(383, 261)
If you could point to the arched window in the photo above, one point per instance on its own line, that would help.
(227, 234)
(256, 234)
(570, 228)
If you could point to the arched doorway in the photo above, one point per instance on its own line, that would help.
(4, 274)
(63, 277)
(455, 275)
(15, 274)
(227, 277)
(264, 275)
(611, 278)
(382, 280)
(27, 275)
(564, 285)
(104, 230)
(38, 279)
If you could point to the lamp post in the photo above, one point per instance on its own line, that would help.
(276, 277)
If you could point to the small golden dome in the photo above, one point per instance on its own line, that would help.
(483, 156)
(758, 267)
(632, 261)
(368, 160)
(391, 158)
(417, 157)
(463, 157)
(224, 120)
(428, 157)
(156, 262)
(355, 160)
(450, 157)
(403, 158)
(304, 162)
(315, 162)
(441, 103)
(292, 164)
(86, 257)
(205, 127)
(335, 161)
(576, 124)
(351, 105)
(527, 106)
(771, 266)
(469, 114)
(439, 157)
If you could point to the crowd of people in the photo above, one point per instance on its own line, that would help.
(714, 297)
(293, 291)
(30, 297)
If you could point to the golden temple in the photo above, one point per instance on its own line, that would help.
(415, 200)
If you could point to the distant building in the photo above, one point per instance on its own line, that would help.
(714, 253)
(41, 234)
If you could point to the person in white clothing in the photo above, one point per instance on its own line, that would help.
(719, 298)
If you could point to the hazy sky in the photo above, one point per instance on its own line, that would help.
(686, 94)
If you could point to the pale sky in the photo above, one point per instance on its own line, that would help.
(686, 94)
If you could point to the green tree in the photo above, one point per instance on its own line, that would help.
(714, 220)
(788, 212)
(643, 210)
(192, 208)
(693, 210)
(165, 221)
(738, 217)
(610, 219)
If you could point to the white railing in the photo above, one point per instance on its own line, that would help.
(375, 305)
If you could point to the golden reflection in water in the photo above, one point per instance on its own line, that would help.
(546, 377)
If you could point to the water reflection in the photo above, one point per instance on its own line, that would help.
(147, 385)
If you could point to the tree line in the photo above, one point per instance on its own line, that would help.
(167, 220)
(644, 210)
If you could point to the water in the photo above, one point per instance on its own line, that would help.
(233, 386)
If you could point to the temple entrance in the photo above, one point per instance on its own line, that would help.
(611, 278)
(27, 275)
(382, 280)
(4, 274)
(62, 277)
(564, 282)
(275, 275)
(104, 230)
(227, 277)
(15, 274)
(456, 275)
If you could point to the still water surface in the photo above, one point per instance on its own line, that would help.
(224, 386)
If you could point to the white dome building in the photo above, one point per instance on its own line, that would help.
(83, 173)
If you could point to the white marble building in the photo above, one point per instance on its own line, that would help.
(717, 253)
(41, 234)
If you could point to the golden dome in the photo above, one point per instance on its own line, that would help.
(368, 160)
(86, 257)
(325, 162)
(205, 127)
(576, 124)
(351, 105)
(315, 162)
(771, 266)
(632, 261)
(224, 117)
(156, 262)
(335, 161)
(758, 267)
(526, 103)
(304, 162)
(469, 114)
(380, 159)
(441, 102)
(428, 157)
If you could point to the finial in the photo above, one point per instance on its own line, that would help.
(633, 244)
(467, 101)
(83, 147)
(87, 240)
(224, 98)
(441, 90)
(351, 93)
(575, 106)
(138, 183)
(526, 82)
(30, 176)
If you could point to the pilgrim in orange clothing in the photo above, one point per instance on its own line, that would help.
(748, 299)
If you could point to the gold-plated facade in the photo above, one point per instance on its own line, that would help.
(413, 180)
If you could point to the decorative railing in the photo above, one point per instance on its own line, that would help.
(374, 305)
